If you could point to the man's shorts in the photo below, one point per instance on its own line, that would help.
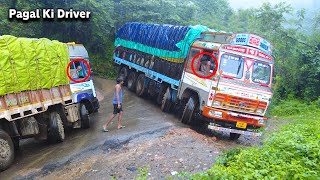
(116, 110)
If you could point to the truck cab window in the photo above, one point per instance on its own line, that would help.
(78, 70)
(207, 63)
(193, 52)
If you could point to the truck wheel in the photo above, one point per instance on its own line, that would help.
(6, 150)
(189, 110)
(56, 129)
(166, 101)
(162, 91)
(140, 89)
(234, 136)
(132, 78)
(123, 73)
(84, 116)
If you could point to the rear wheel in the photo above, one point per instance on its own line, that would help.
(140, 89)
(162, 91)
(234, 136)
(6, 150)
(56, 129)
(85, 121)
(189, 111)
(132, 78)
(123, 73)
(166, 101)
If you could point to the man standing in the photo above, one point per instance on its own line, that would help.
(117, 105)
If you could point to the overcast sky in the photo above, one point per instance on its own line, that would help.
(297, 4)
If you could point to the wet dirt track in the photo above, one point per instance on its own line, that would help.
(152, 140)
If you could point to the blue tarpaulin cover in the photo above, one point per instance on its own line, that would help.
(166, 41)
(154, 35)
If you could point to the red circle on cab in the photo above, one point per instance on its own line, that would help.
(201, 76)
(85, 63)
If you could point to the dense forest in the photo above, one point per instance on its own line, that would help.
(296, 51)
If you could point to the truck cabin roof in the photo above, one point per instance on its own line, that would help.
(212, 40)
(77, 51)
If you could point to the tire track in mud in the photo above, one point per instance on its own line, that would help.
(105, 147)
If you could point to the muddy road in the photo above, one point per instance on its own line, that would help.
(152, 142)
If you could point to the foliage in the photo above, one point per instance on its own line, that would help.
(291, 153)
(143, 173)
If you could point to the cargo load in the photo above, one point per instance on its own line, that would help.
(165, 41)
(161, 48)
(31, 64)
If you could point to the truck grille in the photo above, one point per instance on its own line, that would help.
(240, 104)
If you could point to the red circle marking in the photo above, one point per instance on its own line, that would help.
(210, 75)
(85, 63)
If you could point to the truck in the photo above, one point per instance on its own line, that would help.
(37, 99)
(216, 78)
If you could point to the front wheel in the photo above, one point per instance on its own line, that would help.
(84, 116)
(6, 151)
(190, 109)
(55, 129)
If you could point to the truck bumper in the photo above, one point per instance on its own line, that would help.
(225, 115)
(215, 127)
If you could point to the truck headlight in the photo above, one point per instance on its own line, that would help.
(260, 111)
(216, 103)
(261, 121)
(215, 113)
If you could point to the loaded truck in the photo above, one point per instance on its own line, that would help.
(205, 76)
(37, 99)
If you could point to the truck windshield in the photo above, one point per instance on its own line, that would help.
(261, 73)
(216, 38)
(232, 65)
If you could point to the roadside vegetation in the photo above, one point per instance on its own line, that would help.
(292, 152)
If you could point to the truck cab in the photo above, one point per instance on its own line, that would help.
(82, 92)
(237, 97)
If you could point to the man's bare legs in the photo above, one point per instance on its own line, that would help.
(119, 120)
(109, 121)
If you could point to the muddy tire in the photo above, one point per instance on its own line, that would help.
(84, 116)
(162, 91)
(132, 78)
(55, 129)
(123, 73)
(140, 89)
(166, 103)
(189, 111)
(234, 136)
(6, 151)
